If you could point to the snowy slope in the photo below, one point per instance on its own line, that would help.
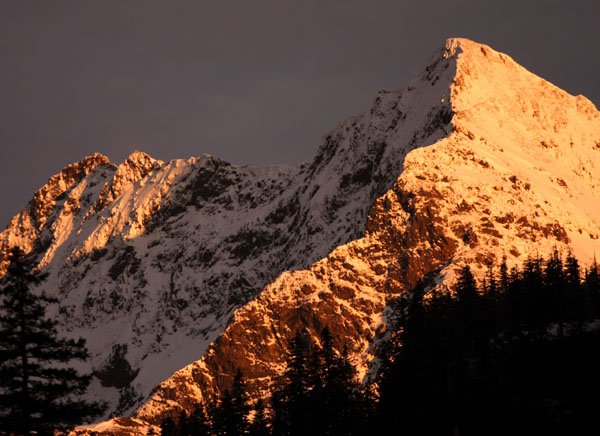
(158, 255)
(516, 174)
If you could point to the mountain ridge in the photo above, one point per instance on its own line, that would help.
(417, 186)
(408, 237)
(138, 252)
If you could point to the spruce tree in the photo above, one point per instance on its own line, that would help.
(491, 285)
(592, 287)
(168, 427)
(260, 423)
(554, 280)
(466, 287)
(572, 271)
(577, 299)
(183, 425)
(292, 397)
(504, 276)
(232, 413)
(199, 423)
(413, 381)
(336, 396)
(467, 302)
(38, 390)
(534, 307)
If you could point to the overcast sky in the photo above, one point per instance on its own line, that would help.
(250, 81)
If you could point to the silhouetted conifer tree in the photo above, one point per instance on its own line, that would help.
(117, 370)
(577, 300)
(292, 398)
(260, 424)
(504, 276)
(534, 306)
(492, 289)
(337, 398)
(555, 285)
(168, 427)
(184, 427)
(419, 368)
(38, 390)
(231, 416)
(592, 287)
(199, 422)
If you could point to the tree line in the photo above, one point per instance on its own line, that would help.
(318, 390)
(517, 353)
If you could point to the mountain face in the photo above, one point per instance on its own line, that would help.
(507, 165)
(215, 266)
(156, 256)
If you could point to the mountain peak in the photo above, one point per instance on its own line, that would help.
(134, 168)
(140, 157)
(499, 162)
(26, 227)
(453, 45)
(464, 47)
(456, 45)
(58, 184)
(137, 165)
(487, 87)
(92, 160)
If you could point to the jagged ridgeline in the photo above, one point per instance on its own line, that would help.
(215, 265)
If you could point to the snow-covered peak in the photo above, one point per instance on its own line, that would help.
(137, 166)
(497, 162)
(140, 157)
(28, 227)
(475, 159)
(44, 199)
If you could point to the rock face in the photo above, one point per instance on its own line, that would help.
(507, 165)
(475, 159)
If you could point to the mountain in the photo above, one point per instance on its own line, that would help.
(508, 165)
(203, 267)
(156, 256)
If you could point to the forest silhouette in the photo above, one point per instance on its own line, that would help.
(515, 354)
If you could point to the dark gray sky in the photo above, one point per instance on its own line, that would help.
(250, 81)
